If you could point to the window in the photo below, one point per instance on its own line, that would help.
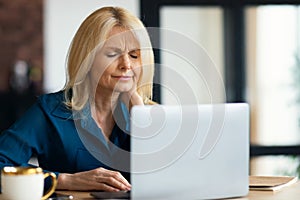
(272, 52)
(260, 62)
(195, 60)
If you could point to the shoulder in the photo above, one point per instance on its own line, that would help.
(51, 99)
(54, 103)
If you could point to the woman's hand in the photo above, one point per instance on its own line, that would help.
(132, 97)
(97, 179)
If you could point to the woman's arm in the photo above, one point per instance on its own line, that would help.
(22, 140)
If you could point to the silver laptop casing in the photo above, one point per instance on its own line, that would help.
(190, 152)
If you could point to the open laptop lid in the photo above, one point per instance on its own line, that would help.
(189, 152)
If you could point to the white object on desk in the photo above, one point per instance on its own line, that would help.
(25, 183)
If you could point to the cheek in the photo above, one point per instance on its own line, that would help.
(104, 77)
(100, 76)
(101, 70)
(101, 64)
(137, 71)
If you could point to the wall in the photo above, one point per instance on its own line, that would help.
(21, 38)
(21, 57)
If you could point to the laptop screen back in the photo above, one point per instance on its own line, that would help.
(189, 152)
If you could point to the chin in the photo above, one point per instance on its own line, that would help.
(122, 89)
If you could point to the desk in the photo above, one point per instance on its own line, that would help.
(290, 193)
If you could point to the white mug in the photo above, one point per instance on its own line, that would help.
(25, 183)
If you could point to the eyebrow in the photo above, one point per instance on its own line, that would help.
(120, 50)
(113, 48)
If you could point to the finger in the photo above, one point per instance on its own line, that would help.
(118, 176)
(110, 181)
(105, 187)
(113, 178)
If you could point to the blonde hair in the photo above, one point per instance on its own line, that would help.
(91, 34)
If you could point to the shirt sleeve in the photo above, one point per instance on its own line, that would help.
(24, 138)
(27, 137)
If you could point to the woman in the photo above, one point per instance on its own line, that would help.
(81, 132)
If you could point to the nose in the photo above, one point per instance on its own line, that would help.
(125, 62)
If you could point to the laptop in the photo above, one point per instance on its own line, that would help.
(190, 151)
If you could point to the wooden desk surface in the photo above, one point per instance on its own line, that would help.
(290, 193)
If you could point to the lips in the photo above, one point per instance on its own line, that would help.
(123, 77)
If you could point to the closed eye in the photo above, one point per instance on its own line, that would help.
(111, 55)
(111, 52)
(135, 54)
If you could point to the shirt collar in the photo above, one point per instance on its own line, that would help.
(119, 132)
(121, 116)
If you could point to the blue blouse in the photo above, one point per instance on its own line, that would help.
(64, 141)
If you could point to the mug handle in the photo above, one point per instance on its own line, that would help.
(54, 183)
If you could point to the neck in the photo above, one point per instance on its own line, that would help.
(104, 102)
(102, 107)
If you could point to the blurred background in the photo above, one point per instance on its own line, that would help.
(254, 44)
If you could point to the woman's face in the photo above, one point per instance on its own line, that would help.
(117, 65)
